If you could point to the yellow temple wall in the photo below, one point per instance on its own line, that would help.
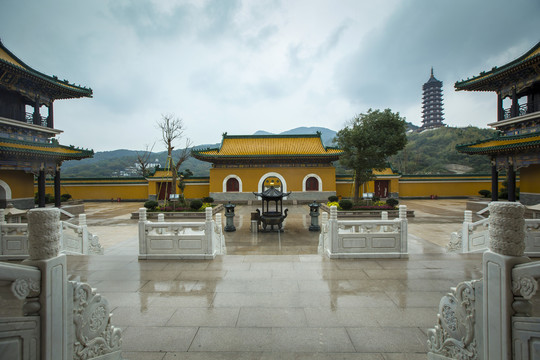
(293, 176)
(196, 191)
(19, 182)
(102, 189)
(444, 185)
(530, 179)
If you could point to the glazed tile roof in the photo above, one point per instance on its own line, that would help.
(12, 147)
(502, 144)
(62, 89)
(269, 146)
(491, 80)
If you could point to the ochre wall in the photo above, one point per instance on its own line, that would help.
(196, 191)
(530, 179)
(444, 185)
(102, 189)
(20, 183)
(293, 176)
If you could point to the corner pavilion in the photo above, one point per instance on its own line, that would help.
(243, 165)
(517, 145)
(27, 144)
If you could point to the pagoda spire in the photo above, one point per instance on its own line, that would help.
(432, 103)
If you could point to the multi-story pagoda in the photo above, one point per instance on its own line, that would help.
(28, 146)
(517, 145)
(432, 104)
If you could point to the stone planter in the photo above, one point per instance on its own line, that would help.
(179, 215)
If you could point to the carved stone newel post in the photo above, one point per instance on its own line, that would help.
(44, 249)
(506, 247)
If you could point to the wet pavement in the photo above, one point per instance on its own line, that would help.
(272, 296)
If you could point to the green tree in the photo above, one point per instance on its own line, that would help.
(367, 142)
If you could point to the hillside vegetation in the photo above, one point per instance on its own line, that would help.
(434, 152)
(428, 152)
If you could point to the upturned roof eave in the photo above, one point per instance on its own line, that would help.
(475, 83)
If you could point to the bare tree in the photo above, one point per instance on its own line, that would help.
(172, 131)
(143, 159)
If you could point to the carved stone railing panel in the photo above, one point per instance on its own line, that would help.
(365, 238)
(179, 240)
(454, 335)
(94, 335)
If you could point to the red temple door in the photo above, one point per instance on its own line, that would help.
(381, 188)
(233, 185)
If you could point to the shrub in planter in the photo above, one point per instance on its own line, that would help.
(392, 202)
(151, 205)
(208, 199)
(346, 204)
(65, 197)
(333, 198)
(196, 204)
(485, 193)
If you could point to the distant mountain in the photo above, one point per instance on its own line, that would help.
(327, 135)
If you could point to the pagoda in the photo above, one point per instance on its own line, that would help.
(28, 147)
(247, 164)
(432, 104)
(517, 143)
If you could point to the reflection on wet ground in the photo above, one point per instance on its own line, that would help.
(272, 295)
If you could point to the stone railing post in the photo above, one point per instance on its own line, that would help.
(209, 231)
(142, 233)
(161, 217)
(44, 253)
(506, 247)
(467, 221)
(323, 237)
(333, 230)
(404, 228)
(219, 231)
(84, 233)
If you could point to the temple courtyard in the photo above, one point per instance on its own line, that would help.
(273, 296)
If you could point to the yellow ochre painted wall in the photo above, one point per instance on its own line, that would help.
(102, 189)
(444, 185)
(293, 176)
(19, 182)
(530, 179)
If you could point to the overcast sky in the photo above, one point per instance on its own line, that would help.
(242, 66)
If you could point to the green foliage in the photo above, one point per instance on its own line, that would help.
(333, 203)
(196, 204)
(431, 151)
(65, 197)
(151, 205)
(49, 198)
(345, 204)
(485, 193)
(333, 198)
(208, 199)
(368, 141)
(392, 202)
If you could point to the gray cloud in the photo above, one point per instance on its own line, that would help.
(453, 36)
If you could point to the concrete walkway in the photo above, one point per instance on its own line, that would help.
(273, 296)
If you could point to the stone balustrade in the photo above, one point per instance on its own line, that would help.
(180, 240)
(364, 238)
(74, 239)
(60, 319)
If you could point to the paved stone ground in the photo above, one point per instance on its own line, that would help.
(273, 296)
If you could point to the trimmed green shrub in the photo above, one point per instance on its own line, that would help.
(345, 204)
(196, 204)
(208, 199)
(485, 193)
(392, 202)
(151, 205)
(65, 197)
(333, 198)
